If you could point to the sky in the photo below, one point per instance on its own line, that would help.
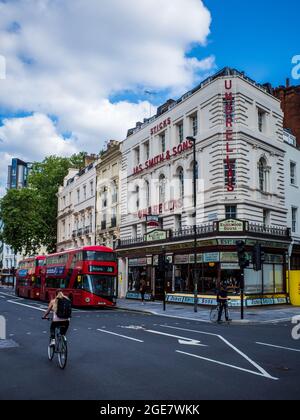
(81, 72)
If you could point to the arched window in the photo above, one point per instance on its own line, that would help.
(262, 174)
(162, 189)
(180, 175)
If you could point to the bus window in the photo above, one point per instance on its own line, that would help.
(99, 256)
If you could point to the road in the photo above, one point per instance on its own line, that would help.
(123, 355)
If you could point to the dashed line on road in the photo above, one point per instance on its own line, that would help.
(122, 336)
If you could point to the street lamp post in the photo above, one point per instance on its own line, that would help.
(192, 139)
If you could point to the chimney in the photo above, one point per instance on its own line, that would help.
(287, 83)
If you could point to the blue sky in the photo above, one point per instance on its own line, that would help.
(259, 37)
(69, 90)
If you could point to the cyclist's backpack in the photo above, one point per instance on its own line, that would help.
(64, 308)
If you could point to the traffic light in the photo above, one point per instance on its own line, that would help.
(243, 261)
(258, 257)
(161, 263)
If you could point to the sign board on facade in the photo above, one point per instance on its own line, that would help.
(137, 262)
(229, 257)
(152, 220)
(230, 266)
(231, 225)
(211, 257)
(156, 235)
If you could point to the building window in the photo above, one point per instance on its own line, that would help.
(293, 167)
(230, 212)
(147, 150)
(137, 156)
(162, 189)
(230, 172)
(78, 196)
(92, 188)
(103, 223)
(147, 192)
(163, 142)
(266, 217)
(194, 121)
(262, 175)
(134, 232)
(104, 198)
(178, 222)
(294, 219)
(261, 120)
(114, 192)
(137, 191)
(84, 192)
(113, 218)
(180, 175)
(180, 132)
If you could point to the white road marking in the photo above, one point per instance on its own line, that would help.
(259, 368)
(227, 365)
(2, 297)
(278, 347)
(182, 340)
(7, 294)
(119, 335)
(28, 306)
(276, 321)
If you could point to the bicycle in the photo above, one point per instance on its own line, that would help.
(60, 348)
(214, 313)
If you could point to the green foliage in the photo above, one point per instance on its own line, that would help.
(19, 211)
(30, 215)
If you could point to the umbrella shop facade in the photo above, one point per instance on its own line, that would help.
(235, 126)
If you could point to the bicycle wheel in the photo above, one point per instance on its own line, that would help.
(62, 352)
(214, 314)
(51, 351)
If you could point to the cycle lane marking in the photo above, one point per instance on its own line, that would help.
(262, 371)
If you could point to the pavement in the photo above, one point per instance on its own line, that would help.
(257, 315)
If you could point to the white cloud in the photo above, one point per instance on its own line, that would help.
(65, 58)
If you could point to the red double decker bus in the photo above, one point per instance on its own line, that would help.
(88, 276)
(29, 277)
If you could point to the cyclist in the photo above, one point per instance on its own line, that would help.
(222, 298)
(62, 323)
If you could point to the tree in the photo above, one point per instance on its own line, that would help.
(19, 211)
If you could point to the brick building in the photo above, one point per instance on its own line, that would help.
(290, 104)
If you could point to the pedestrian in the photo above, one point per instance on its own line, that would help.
(222, 299)
(62, 308)
(143, 287)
